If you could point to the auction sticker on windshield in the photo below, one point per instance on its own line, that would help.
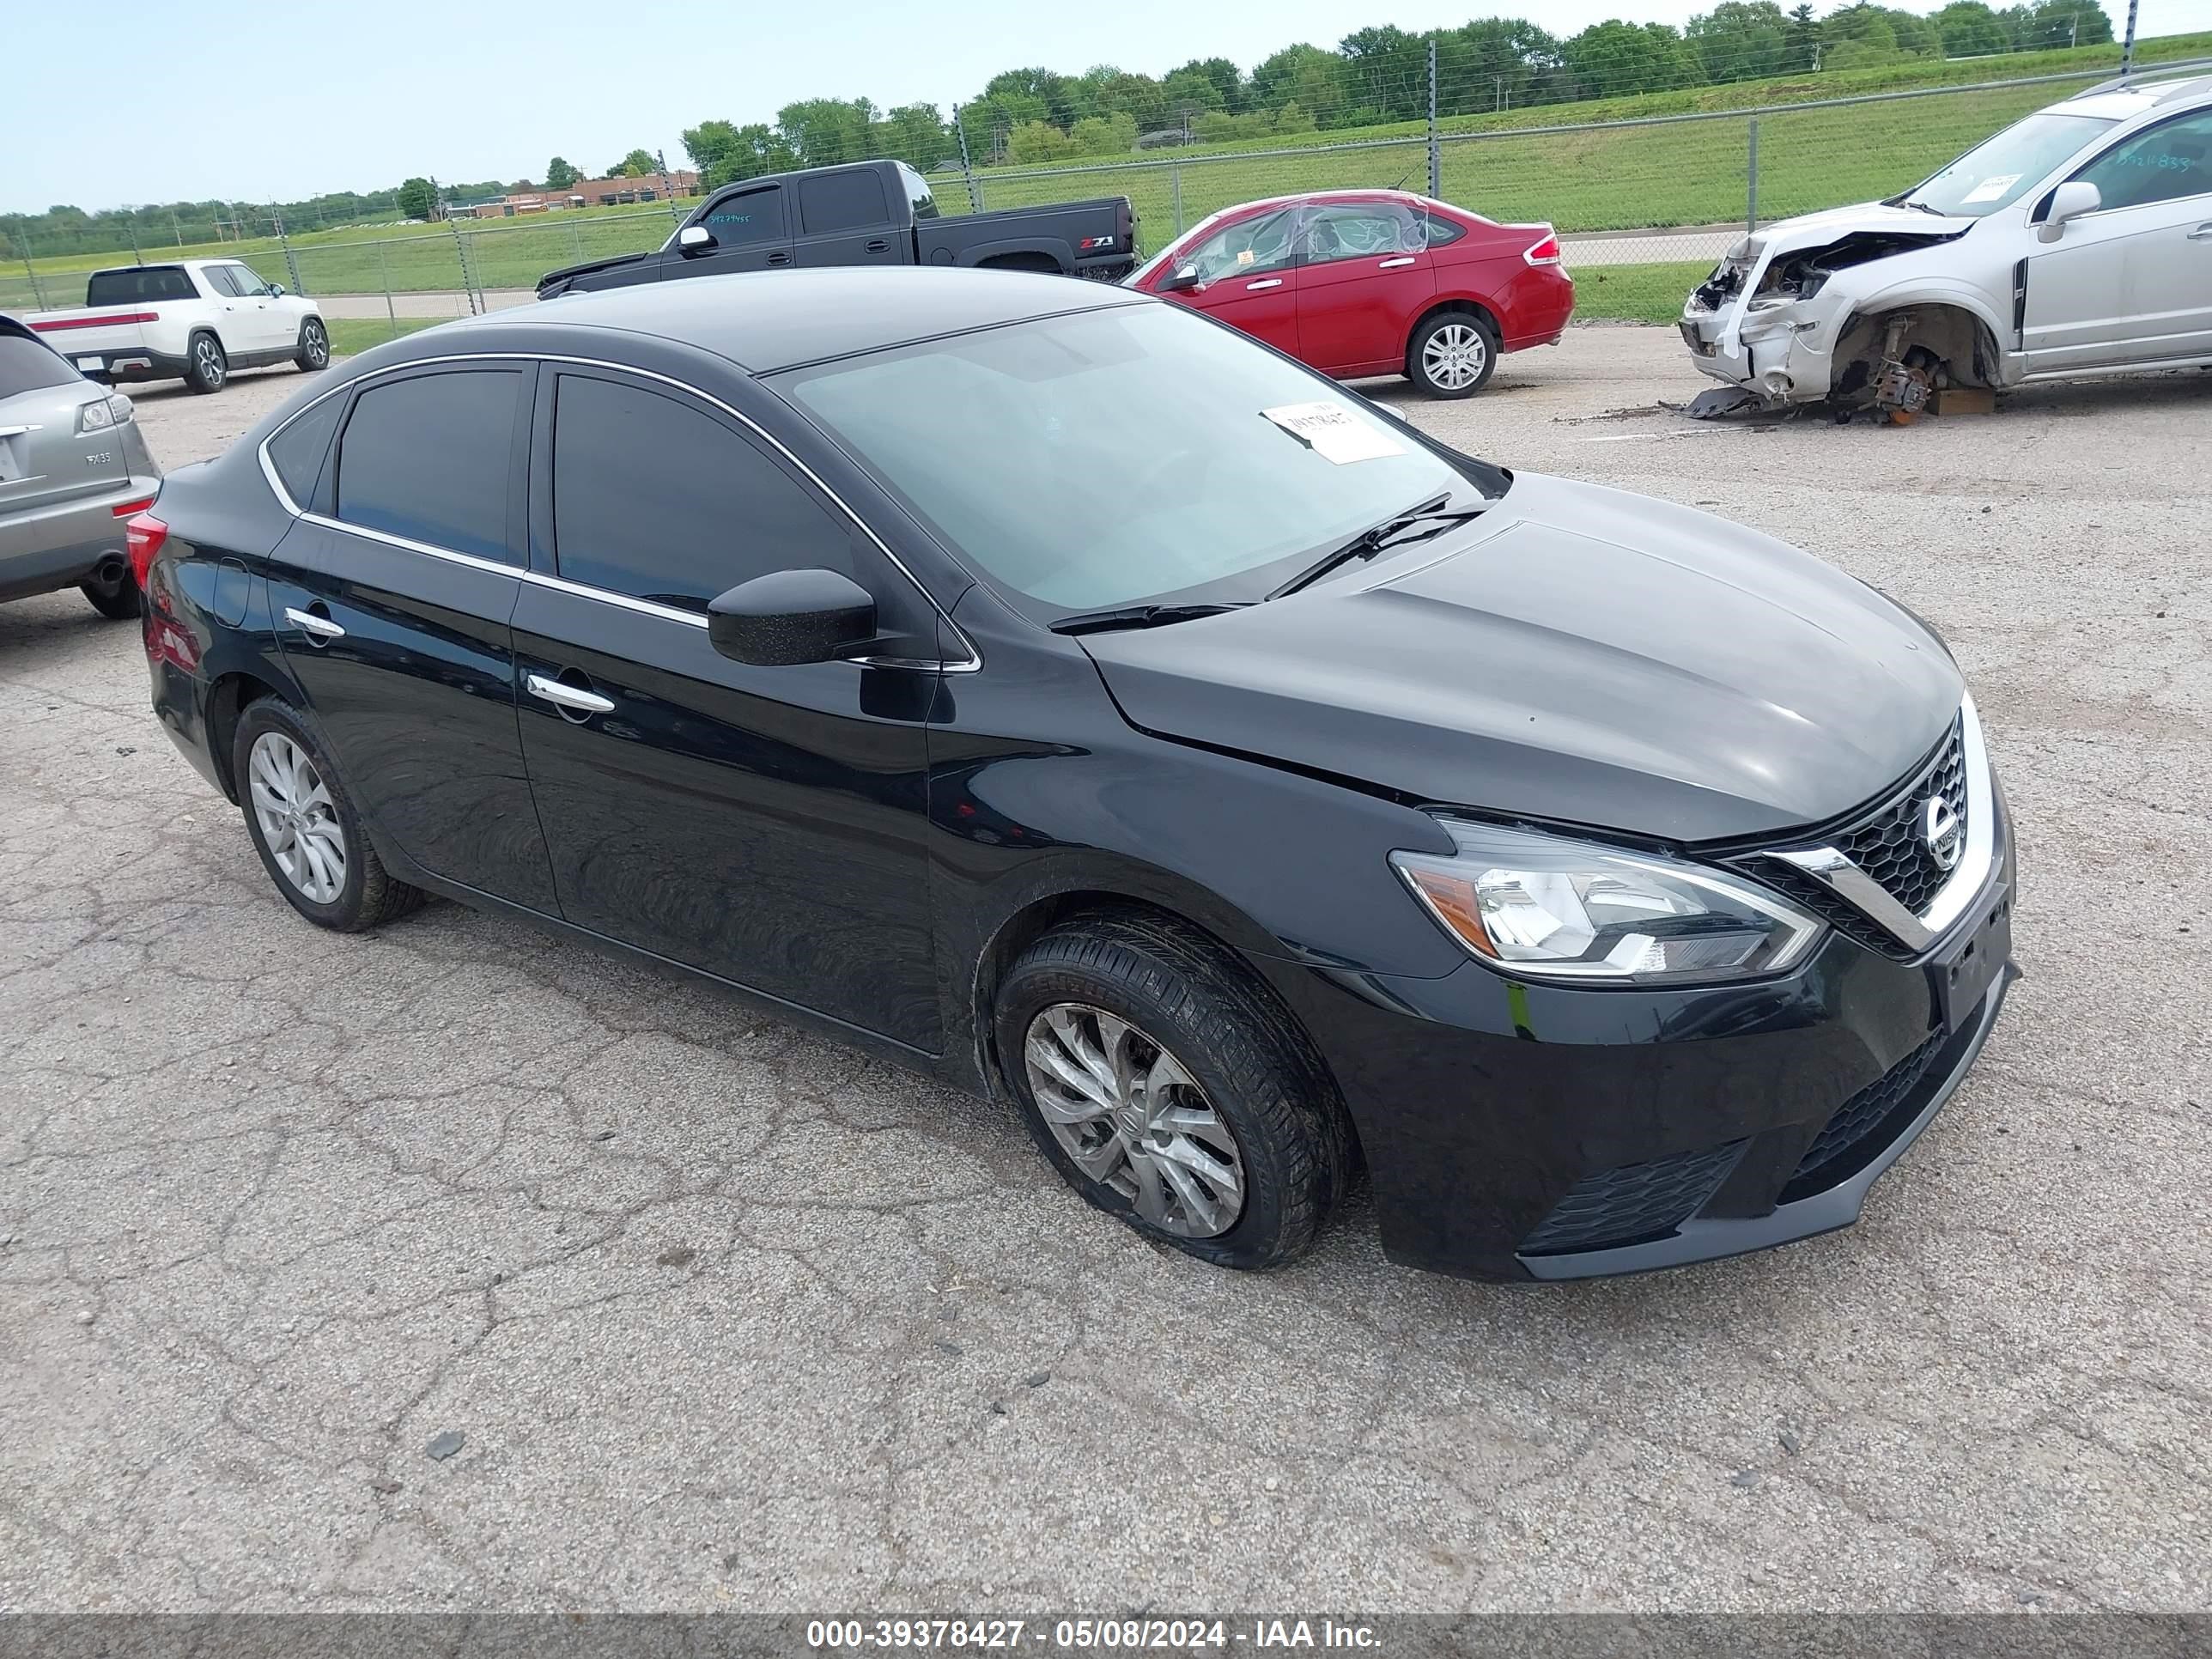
(1333, 434)
(1992, 187)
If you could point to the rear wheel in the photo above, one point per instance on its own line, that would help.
(115, 597)
(304, 825)
(206, 366)
(314, 351)
(1452, 354)
(1168, 1092)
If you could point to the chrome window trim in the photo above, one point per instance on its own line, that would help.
(973, 661)
(1830, 867)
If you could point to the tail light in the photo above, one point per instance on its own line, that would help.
(1545, 251)
(144, 533)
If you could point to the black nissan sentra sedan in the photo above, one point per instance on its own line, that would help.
(1062, 693)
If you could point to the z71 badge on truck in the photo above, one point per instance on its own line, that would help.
(873, 213)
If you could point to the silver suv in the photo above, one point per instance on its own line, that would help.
(2077, 241)
(73, 469)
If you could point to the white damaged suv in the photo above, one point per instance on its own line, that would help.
(2076, 241)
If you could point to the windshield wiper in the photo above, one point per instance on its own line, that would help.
(1370, 542)
(1138, 616)
(1922, 206)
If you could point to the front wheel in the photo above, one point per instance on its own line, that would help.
(1452, 354)
(206, 366)
(304, 825)
(314, 351)
(1170, 1091)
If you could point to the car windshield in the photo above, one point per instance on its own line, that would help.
(1127, 454)
(1142, 274)
(1999, 171)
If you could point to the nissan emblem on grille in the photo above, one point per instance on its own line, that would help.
(1942, 832)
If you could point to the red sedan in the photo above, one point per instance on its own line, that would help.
(1357, 282)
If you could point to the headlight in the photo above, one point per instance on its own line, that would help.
(103, 413)
(1541, 906)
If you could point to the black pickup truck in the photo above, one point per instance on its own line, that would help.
(872, 213)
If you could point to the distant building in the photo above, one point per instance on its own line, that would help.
(499, 207)
(653, 187)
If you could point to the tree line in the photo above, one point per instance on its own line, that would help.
(1373, 77)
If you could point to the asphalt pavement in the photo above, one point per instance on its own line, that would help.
(452, 1266)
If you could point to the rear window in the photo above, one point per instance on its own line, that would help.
(431, 459)
(139, 284)
(28, 366)
(842, 201)
(297, 451)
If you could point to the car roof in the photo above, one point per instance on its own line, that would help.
(2123, 101)
(764, 320)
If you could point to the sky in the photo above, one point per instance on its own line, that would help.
(280, 101)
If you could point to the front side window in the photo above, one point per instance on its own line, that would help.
(218, 279)
(2160, 165)
(1999, 171)
(754, 216)
(842, 201)
(1361, 230)
(1125, 455)
(246, 280)
(657, 499)
(432, 458)
(1246, 248)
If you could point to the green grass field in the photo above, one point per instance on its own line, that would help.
(1684, 173)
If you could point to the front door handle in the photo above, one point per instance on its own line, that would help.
(1394, 265)
(1269, 281)
(316, 628)
(568, 696)
(779, 259)
(2202, 233)
(880, 245)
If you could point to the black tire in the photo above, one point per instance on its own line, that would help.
(1423, 369)
(368, 896)
(116, 600)
(314, 352)
(206, 365)
(1257, 1070)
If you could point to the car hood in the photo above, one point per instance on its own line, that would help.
(1582, 656)
(1832, 224)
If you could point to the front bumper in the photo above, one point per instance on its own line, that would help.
(44, 549)
(1519, 1131)
(1784, 354)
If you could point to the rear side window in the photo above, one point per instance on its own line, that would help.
(658, 499)
(918, 195)
(297, 451)
(28, 366)
(756, 216)
(842, 201)
(432, 458)
(138, 285)
(1442, 231)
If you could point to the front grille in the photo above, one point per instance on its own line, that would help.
(1633, 1202)
(1889, 847)
(1861, 1116)
(1887, 844)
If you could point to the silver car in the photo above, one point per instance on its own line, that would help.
(2076, 241)
(73, 469)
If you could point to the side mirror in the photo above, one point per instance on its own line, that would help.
(2069, 201)
(276, 290)
(1183, 281)
(792, 616)
(695, 238)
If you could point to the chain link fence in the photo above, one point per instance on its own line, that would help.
(1656, 197)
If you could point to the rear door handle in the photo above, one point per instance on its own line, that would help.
(1269, 282)
(2202, 233)
(316, 627)
(779, 259)
(880, 245)
(1394, 265)
(568, 696)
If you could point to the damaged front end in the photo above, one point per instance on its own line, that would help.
(1772, 322)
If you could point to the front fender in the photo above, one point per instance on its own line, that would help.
(1959, 295)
